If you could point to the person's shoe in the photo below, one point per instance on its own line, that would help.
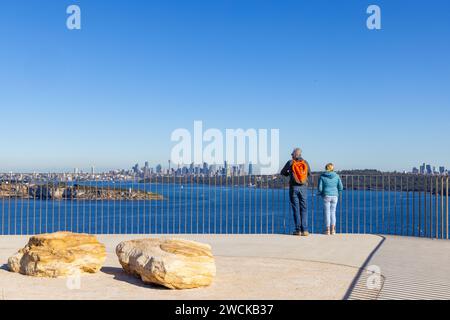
(305, 233)
(327, 231)
(333, 230)
(296, 233)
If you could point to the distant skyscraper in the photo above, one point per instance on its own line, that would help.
(441, 170)
(422, 169)
(226, 169)
(205, 168)
(428, 169)
(158, 168)
(250, 168)
(241, 169)
(415, 170)
(146, 168)
(92, 170)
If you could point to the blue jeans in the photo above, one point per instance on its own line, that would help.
(329, 210)
(298, 198)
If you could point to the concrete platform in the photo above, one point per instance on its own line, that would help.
(248, 267)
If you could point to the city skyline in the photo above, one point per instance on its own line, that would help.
(114, 91)
(247, 168)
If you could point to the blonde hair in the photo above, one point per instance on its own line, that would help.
(329, 167)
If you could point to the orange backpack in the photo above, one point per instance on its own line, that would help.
(300, 171)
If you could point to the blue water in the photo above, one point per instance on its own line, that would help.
(209, 209)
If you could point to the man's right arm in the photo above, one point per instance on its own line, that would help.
(285, 170)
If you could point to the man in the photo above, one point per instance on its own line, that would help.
(299, 173)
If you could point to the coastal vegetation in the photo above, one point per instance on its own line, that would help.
(352, 179)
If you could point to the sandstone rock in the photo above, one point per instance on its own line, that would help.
(173, 263)
(59, 254)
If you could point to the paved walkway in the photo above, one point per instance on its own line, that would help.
(248, 267)
(267, 267)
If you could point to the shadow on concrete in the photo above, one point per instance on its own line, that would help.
(4, 267)
(358, 288)
(121, 275)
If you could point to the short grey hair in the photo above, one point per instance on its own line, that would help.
(296, 152)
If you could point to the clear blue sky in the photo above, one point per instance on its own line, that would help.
(112, 93)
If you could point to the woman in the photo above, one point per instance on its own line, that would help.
(330, 186)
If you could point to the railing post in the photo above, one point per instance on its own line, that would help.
(383, 206)
(364, 202)
(442, 207)
(232, 202)
(377, 203)
(347, 204)
(446, 197)
(15, 206)
(413, 217)
(395, 204)
(389, 204)
(436, 209)
(353, 204)
(371, 204)
(261, 188)
(358, 204)
(430, 203)
(313, 204)
(340, 212)
(407, 206)
(401, 205)
(267, 204)
(215, 203)
(271, 187)
(425, 206)
(238, 204)
(284, 206)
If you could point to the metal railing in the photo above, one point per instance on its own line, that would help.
(406, 204)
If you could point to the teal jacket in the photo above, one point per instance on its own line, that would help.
(330, 184)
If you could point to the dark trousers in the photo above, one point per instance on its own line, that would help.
(298, 198)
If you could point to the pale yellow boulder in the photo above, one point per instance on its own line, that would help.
(59, 254)
(173, 263)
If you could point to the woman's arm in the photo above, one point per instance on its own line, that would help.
(340, 185)
(320, 186)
